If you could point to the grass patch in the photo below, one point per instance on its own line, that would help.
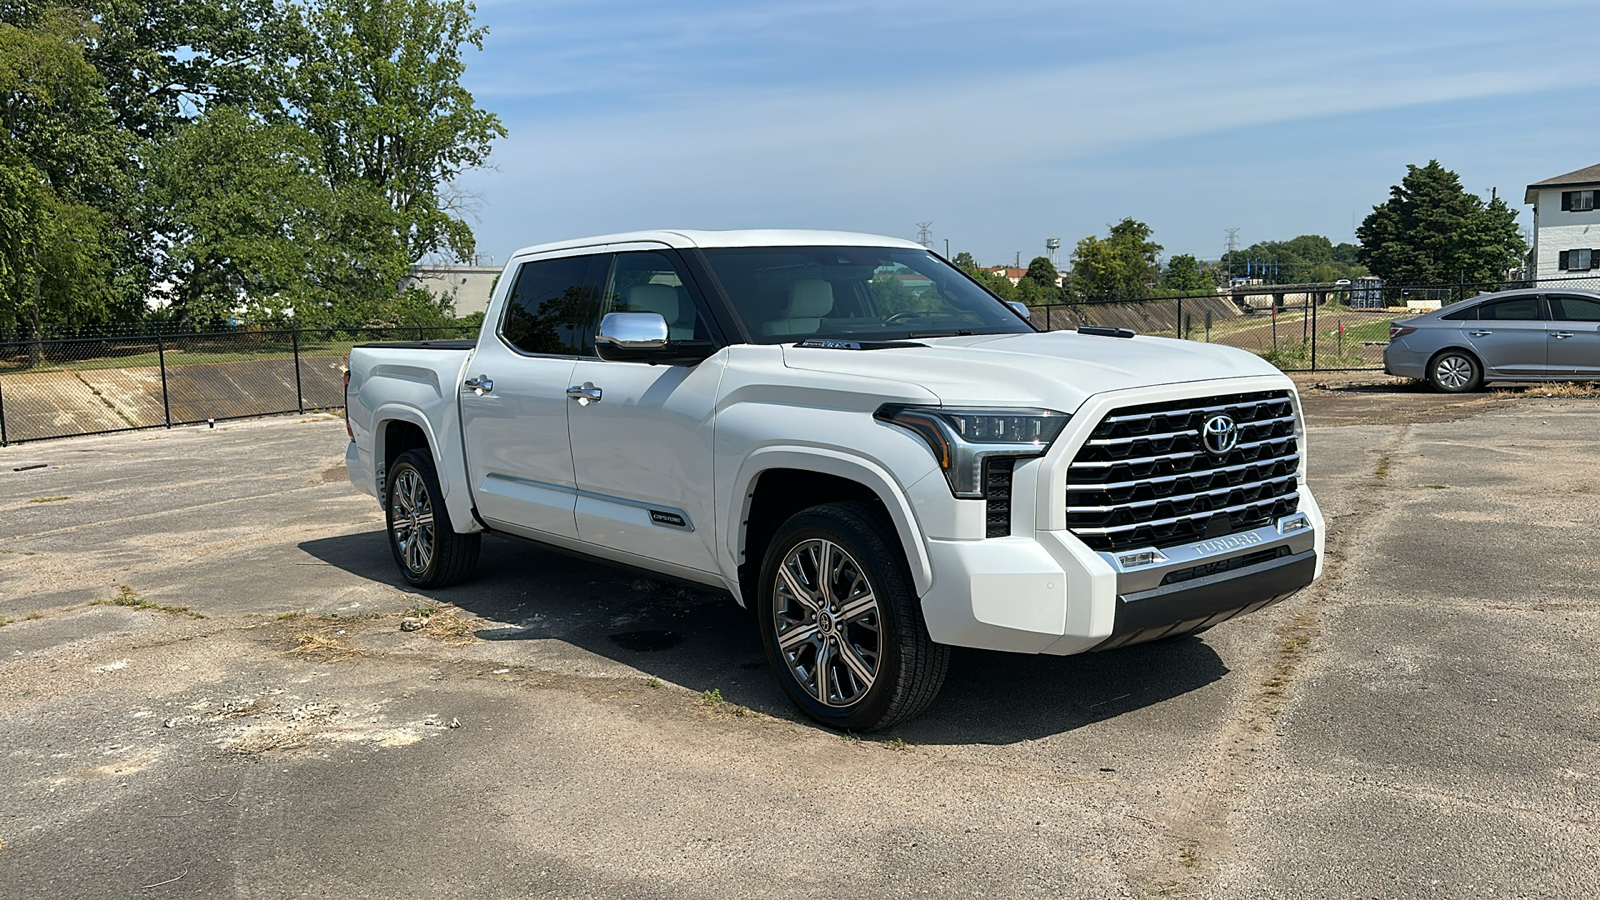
(897, 743)
(4, 622)
(126, 597)
(1296, 640)
(323, 647)
(655, 682)
(1382, 471)
(712, 700)
(49, 499)
(1554, 389)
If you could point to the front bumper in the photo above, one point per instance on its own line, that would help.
(1049, 593)
(1188, 606)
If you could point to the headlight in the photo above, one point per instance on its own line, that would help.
(961, 439)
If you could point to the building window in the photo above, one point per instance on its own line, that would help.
(1577, 260)
(1577, 201)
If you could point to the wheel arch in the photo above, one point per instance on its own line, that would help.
(1465, 350)
(776, 483)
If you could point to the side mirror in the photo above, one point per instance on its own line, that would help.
(633, 331)
(1021, 309)
(644, 337)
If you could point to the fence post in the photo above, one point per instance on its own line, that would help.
(161, 362)
(299, 392)
(1314, 336)
(3, 440)
(1180, 319)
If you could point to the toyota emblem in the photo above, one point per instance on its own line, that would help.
(1219, 435)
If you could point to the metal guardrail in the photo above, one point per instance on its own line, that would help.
(96, 385)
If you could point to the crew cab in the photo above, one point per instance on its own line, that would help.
(853, 437)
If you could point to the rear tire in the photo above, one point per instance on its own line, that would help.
(841, 624)
(1455, 372)
(426, 547)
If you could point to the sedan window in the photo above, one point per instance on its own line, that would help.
(1516, 309)
(1574, 309)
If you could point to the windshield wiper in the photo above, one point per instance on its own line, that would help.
(959, 332)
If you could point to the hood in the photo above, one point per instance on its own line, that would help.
(1056, 369)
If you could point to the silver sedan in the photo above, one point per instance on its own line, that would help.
(1526, 335)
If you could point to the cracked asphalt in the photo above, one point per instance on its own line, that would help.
(205, 692)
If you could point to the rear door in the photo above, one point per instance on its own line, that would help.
(1509, 336)
(641, 433)
(1574, 335)
(514, 402)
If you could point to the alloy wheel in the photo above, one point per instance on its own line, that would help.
(411, 515)
(827, 622)
(1454, 372)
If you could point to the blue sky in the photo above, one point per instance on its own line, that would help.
(1006, 122)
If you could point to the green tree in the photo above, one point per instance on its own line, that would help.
(379, 84)
(1122, 266)
(256, 230)
(1431, 229)
(56, 174)
(1042, 274)
(965, 262)
(1185, 274)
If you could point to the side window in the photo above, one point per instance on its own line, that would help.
(647, 281)
(1517, 309)
(1462, 315)
(1574, 309)
(549, 303)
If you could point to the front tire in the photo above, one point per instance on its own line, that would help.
(842, 627)
(1455, 372)
(427, 549)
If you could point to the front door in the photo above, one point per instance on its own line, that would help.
(1574, 335)
(514, 402)
(641, 433)
(1509, 336)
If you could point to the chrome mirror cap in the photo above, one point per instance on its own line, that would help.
(633, 330)
(1021, 309)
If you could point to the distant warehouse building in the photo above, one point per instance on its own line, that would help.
(468, 287)
(1566, 224)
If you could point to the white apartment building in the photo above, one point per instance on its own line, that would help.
(1566, 224)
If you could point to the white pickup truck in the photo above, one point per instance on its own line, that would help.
(853, 437)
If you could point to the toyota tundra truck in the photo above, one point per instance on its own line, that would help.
(851, 436)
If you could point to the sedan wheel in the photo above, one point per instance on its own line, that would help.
(1454, 372)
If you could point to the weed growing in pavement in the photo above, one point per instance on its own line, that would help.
(655, 682)
(713, 701)
(128, 598)
(4, 622)
(1383, 467)
(897, 743)
(48, 499)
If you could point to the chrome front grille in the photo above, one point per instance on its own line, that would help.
(1144, 479)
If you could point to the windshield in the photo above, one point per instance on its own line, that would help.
(785, 294)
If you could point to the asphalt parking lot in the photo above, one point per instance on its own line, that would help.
(205, 691)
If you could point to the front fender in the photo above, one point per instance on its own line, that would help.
(841, 464)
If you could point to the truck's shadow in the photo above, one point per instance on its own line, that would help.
(702, 640)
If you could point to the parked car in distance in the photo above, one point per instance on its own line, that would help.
(1523, 335)
(852, 436)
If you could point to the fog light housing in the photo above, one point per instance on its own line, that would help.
(1296, 522)
(1141, 558)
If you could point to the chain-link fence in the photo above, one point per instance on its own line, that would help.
(1299, 328)
(78, 386)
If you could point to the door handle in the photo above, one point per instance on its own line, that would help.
(480, 385)
(1480, 333)
(585, 395)
(1561, 335)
